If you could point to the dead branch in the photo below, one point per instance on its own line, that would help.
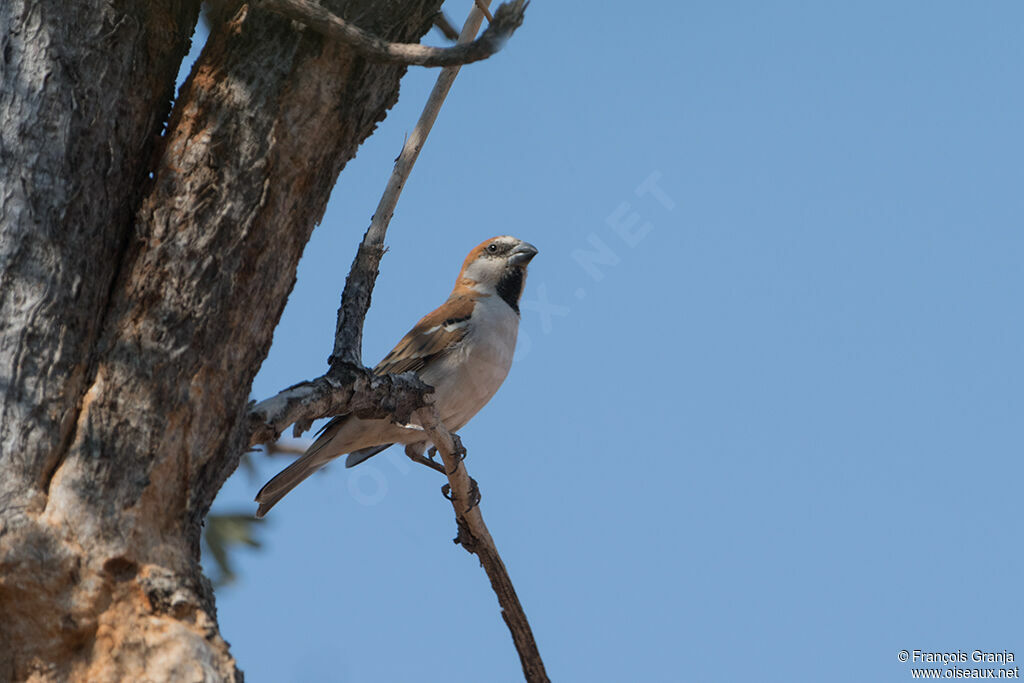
(507, 19)
(344, 389)
(445, 27)
(282, 448)
(475, 538)
(483, 8)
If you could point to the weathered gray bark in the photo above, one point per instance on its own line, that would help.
(140, 281)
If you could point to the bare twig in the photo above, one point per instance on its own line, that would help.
(483, 8)
(475, 538)
(445, 27)
(506, 20)
(282, 448)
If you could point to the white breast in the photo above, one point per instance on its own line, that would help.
(471, 376)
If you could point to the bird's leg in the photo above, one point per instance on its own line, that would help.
(459, 451)
(415, 453)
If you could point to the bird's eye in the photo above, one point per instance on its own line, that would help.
(492, 247)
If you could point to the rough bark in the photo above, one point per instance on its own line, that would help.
(138, 299)
(342, 390)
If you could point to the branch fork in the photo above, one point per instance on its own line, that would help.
(507, 18)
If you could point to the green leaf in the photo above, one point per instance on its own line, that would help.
(223, 533)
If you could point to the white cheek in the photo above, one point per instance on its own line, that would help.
(484, 270)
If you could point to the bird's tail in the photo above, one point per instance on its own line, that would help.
(364, 454)
(293, 475)
(312, 460)
(290, 477)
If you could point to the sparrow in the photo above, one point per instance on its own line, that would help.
(463, 349)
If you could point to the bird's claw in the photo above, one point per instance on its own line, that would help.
(474, 493)
(458, 450)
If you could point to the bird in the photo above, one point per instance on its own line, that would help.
(463, 349)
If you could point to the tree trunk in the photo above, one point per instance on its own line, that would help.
(141, 278)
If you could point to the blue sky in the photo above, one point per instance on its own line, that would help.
(777, 437)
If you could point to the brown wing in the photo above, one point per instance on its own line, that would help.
(437, 331)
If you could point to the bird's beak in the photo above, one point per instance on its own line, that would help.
(522, 254)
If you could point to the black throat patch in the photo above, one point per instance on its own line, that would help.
(510, 286)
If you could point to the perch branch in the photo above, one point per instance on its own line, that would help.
(507, 18)
(342, 390)
(475, 538)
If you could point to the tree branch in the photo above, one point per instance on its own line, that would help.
(483, 8)
(475, 538)
(284, 448)
(507, 19)
(344, 389)
(445, 27)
